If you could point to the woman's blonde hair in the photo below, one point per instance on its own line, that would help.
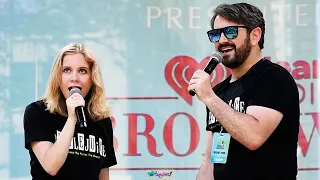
(96, 104)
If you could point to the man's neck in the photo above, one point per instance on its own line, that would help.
(252, 59)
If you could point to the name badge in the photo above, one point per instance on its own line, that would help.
(220, 148)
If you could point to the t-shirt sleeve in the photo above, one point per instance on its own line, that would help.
(207, 119)
(35, 128)
(210, 119)
(111, 156)
(275, 89)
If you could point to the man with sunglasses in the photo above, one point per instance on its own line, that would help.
(253, 115)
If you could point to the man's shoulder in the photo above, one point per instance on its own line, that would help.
(267, 66)
(267, 71)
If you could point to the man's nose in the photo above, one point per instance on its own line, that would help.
(223, 38)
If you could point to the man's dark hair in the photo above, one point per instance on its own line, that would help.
(242, 13)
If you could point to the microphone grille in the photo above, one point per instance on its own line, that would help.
(217, 56)
(75, 90)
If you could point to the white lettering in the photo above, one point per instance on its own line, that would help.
(86, 148)
(317, 13)
(150, 16)
(97, 147)
(100, 146)
(81, 141)
(236, 105)
(298, 14)
(212, 118)
(281, 13)
(192, 17)
(210, 15)
(241, 106)
(92, 147)
(75, 147)
(103, 151)
(57, 135)
(174, 19)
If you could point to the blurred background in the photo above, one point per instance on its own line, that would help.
(148, 50)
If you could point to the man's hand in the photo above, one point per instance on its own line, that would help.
(200, 82)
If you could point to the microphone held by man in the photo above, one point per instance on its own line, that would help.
(215, 59)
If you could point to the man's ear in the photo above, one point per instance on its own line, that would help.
(255, 36)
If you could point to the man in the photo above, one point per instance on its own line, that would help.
(253, 115)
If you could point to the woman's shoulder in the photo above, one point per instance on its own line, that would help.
(35, 113)
(106, 124)
(106, 121)
(36, 106)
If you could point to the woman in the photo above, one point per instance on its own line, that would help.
(59, 148)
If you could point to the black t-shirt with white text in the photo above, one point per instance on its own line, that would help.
(269, 85)
(91, 148)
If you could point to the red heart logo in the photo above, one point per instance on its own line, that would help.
(180, 69)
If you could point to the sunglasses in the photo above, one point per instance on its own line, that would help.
(230, 32)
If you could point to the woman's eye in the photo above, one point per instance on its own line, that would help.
(83, 71)
(66, 70)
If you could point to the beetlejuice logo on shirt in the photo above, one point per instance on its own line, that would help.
(236, 104)
(91, 147)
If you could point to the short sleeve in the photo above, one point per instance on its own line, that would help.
(35, 128)
(276, 89)
(207, 119)
(111, 156)
(211, 121)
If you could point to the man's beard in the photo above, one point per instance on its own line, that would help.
(240, 54)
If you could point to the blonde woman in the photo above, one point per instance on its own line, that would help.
(59, 148)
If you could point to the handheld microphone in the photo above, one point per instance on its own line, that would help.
(81, 118)
(215, 59)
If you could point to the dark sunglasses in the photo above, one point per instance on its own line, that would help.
(230, 32)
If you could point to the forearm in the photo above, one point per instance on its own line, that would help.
(242, 127)
(206, 169)
(209, 142)
(205, 172)
(106, 177)
(104, 174)
(56, 155)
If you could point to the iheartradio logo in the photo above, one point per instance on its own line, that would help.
(180, 69)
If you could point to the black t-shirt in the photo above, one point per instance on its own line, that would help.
(91, 148)
(269, 85)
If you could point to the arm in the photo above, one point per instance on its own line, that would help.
(104, 174)
(38, 135)
(251, 129)
(206, 169)
(207, 154)
(272, 95)
(52, 156)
